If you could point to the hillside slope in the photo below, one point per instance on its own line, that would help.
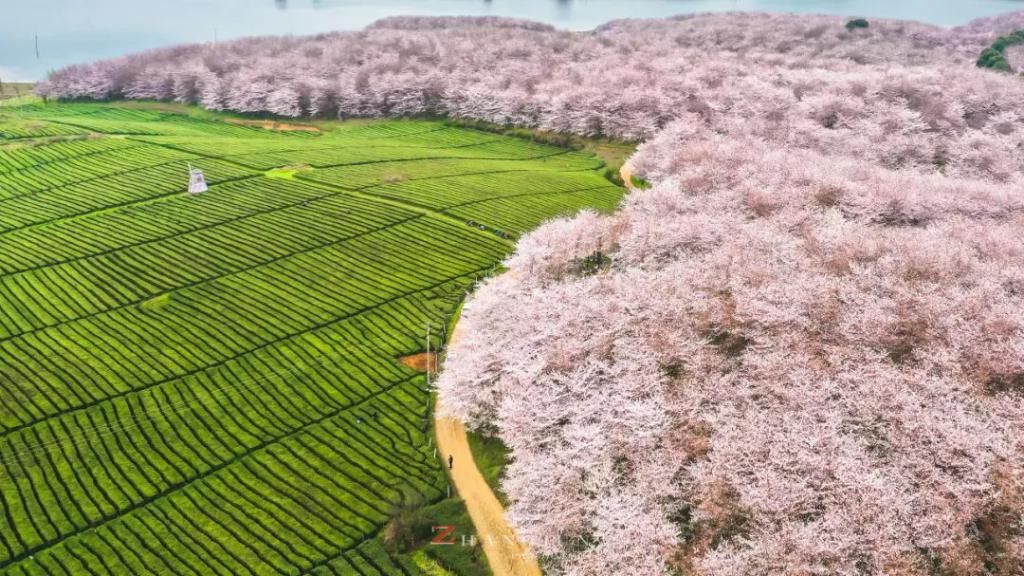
(209, 384)
(800, 352)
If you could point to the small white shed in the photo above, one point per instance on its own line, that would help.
(196, 180)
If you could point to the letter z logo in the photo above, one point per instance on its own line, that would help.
(444, 535)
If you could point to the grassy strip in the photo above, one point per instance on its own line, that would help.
(612, 152)
(412, 531)
(9, 90)
(491, 457)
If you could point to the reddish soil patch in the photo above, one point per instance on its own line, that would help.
(276, 126)
(420, 362)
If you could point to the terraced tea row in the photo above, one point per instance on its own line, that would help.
(211, 322)
(156, 256)
(33, 157)
(131, 187)
(209, 384)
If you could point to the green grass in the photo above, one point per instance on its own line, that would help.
(491, 456)
(612, 152)
(428, 565)
(208, 384)
(464, 558)
(15, 90)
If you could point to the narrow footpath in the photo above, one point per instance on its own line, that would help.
(627, 177)
(506, 555)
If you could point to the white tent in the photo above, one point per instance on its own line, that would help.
(196, 180)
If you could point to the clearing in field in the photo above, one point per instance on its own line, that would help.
(210, 384)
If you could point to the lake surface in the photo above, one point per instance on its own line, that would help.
(72, 31)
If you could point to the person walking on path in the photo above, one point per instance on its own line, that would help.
(506, 554)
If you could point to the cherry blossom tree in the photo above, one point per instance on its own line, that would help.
(627, 79)
(796, 364)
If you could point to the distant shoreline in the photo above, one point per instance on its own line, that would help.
(64, 44)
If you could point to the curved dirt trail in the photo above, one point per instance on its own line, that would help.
(627, 177)
(506, 555)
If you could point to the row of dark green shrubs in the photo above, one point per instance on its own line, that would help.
(856, 23)
(995, 55)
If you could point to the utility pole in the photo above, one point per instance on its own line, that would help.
(428, 355)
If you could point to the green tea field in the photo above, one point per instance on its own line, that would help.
(203, 384)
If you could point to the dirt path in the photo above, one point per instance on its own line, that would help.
(274, 125)
(506, 555)
(627, 177)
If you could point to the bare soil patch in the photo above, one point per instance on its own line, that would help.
(420, 362)
(275, 126)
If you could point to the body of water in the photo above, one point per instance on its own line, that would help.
(41, 35)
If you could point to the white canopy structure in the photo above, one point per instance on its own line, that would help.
(196, 180)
